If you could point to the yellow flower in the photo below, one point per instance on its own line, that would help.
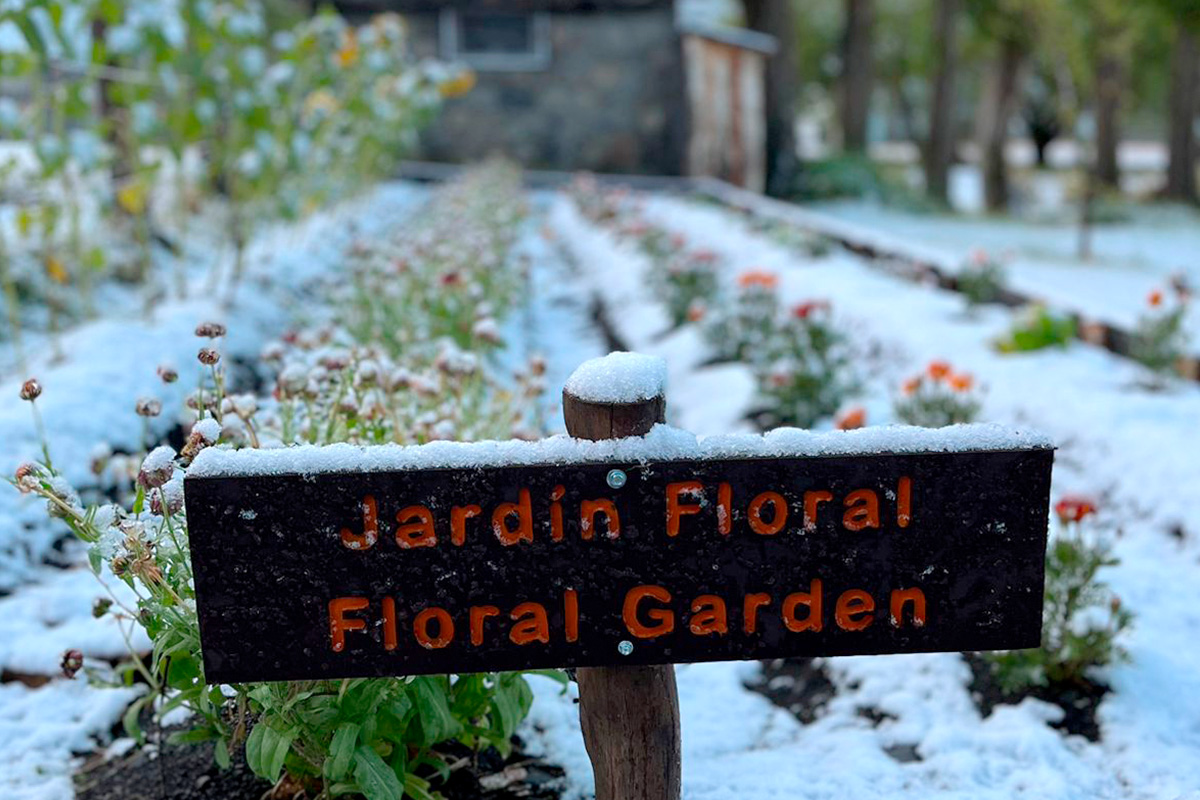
(320, 100)
(347, 54)
(459, 85)
(56, 270)
(132, 198)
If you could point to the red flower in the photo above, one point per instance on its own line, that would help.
(851, 419)
(1074, 508)
(808, 308)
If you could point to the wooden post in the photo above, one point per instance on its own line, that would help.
(629, 715)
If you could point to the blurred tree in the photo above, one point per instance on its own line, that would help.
(1042, 115)
(1011, 25)
(938, 152)
(857, 73)
(776, 18)
(1182, 99)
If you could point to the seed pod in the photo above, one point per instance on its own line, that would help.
(31, 390)
(208, 356)
(167, 373)
(72, 662)
(210, 330)
(148, 407)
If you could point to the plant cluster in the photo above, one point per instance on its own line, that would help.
(1160, 339)
(320, 739)
(144, 115)
(1082, 618)
(982, 279)
(1037, 328)
(938, 397)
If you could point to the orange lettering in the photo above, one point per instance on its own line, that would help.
(588, 510)
(812, 503)
(458, 522)
(531, 624)
(750, 607)
(851, 604)
(571, 614)
(902, 596)
(904, 502)
(370, 532)
(339, 623)
(389, 623)
(664, 618)
(478, 615)
(724, 509)
(445, 628)
(779, 513)
(524, 514)
(708, 615)
(415, 534)
(862, 510)
(556, 517)
(810, 600)
(675, 509)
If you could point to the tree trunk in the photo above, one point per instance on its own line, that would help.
(1181, 113)
(857, 69)
(939, 148)
(994, 113)
(1110, 77)
(776, 18)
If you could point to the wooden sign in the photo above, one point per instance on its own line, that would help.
(339, 562)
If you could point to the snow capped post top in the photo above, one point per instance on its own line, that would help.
(618, 378)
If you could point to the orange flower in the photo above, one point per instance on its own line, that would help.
(758, 278)
(347, 54)
(1074, 508)
(851, 419)
(961, 382)
(695, 312)
(1155, 298)
(939, 370)
(911, 385)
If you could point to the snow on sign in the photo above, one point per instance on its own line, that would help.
(338, 562)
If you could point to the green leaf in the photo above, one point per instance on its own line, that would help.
(341, 750)
(130, 720)
(417, 788)
(437, 723)
(194, 736)
(221, 753)
(266, 750)
(374, 777)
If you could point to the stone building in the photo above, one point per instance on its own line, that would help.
(621, 86)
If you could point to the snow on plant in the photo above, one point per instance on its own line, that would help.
(741, 330)
(982, 279)
(1160, 339)
(806, 372)
(598, 204)
(376, 737)
(1082, 618)
(938, 397)
(1036, 328)
(687, 281)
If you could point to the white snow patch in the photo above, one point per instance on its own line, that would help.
(619, 378)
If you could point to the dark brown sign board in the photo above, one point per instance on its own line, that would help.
(345, 570)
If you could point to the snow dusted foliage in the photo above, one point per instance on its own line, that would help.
(619, 378)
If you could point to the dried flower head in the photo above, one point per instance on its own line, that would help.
(167, 373)
(26, 477)
(157, 468)
(210, 330)
(101, 606)
(208, 356)
(148, 407)
(72, 662)
(31, 390)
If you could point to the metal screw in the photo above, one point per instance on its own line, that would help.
(617, 478)
(625, 647)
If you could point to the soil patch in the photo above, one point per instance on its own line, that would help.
(1079, 702)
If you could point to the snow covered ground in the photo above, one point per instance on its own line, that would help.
(1131, 448)
(1130, 258)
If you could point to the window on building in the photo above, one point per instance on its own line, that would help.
(496, 42)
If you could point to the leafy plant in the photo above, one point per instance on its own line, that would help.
(938, 397)
(982, 279)
(1082, 618)
(808, 374)
(744, 329)
(1037, 328)
(376, 737)
(688, 283)
(1160, 339)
